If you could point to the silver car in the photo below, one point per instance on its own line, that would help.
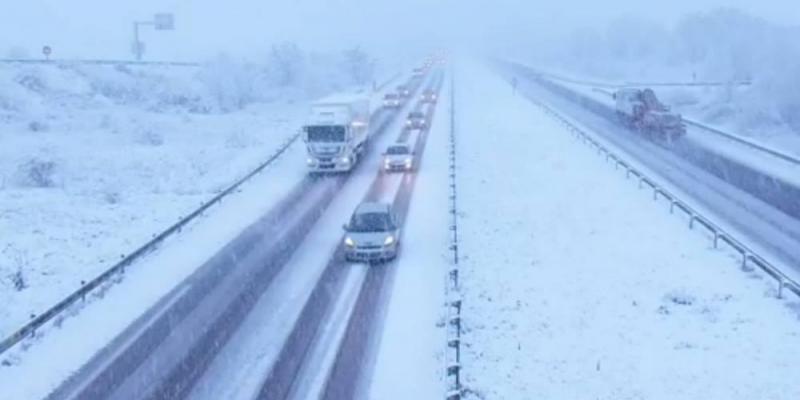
(398, 157)
(372, 234)
(415, 120)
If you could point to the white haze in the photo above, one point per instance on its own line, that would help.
(102, 28)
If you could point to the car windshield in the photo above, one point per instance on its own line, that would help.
(397, 150)
(391, 96)
(371, 222)
(333, 133)
(416, 115)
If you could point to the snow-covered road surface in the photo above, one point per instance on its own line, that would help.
(409, 360)
(577, 286)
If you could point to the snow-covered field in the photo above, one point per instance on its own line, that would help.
(576, 286)
(96, 159)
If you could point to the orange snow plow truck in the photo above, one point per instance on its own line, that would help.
(639, 109)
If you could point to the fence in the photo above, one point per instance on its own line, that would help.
(453, 353)
(749, 258)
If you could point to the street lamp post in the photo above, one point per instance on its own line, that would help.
(161, 22)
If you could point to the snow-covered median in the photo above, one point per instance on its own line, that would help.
(576, 286)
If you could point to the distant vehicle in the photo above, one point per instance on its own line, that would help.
(419, 72)
(428, 96)
(391, 100)
(641, 110)
(398, 157)
(415, 120)
(403, 91)
(372, 234)
(336, 132)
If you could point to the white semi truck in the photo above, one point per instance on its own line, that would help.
(337, 132)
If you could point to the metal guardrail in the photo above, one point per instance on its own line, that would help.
(453, 353)
(745, 142)
(749, 257)
(99, 62)
(119, 268)
(583, 82)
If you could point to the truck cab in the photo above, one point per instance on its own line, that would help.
(336, 133)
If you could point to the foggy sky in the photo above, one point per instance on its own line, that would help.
(103, 28)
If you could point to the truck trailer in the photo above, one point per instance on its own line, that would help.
(336, 132)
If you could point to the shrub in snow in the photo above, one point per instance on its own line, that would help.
(31, 79)
(18, 280)
(149, 137)
(285, 65)
(112, 197)
(358, 65)
(38, 126)
(231, 85)
(19, 261)
(680, 297)
(36, 172)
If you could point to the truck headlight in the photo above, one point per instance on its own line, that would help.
(348, 241)
(389, 240)
(310, 161)
(345, 160)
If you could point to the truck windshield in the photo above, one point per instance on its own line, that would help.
(325, 133)
(371, 222)
(397, 150)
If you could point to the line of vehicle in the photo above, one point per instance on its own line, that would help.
(362, 331)
(213, 275)
(298, 349)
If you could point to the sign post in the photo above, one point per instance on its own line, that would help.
(46, 50)
(160, 22)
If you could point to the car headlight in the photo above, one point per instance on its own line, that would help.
(408, 162)
(348, 241)
(389, 240)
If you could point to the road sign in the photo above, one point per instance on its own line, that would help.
(46, 50)
(164, 21)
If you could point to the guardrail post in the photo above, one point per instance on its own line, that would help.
(781, 284)
(745, 265)
(691, 221)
